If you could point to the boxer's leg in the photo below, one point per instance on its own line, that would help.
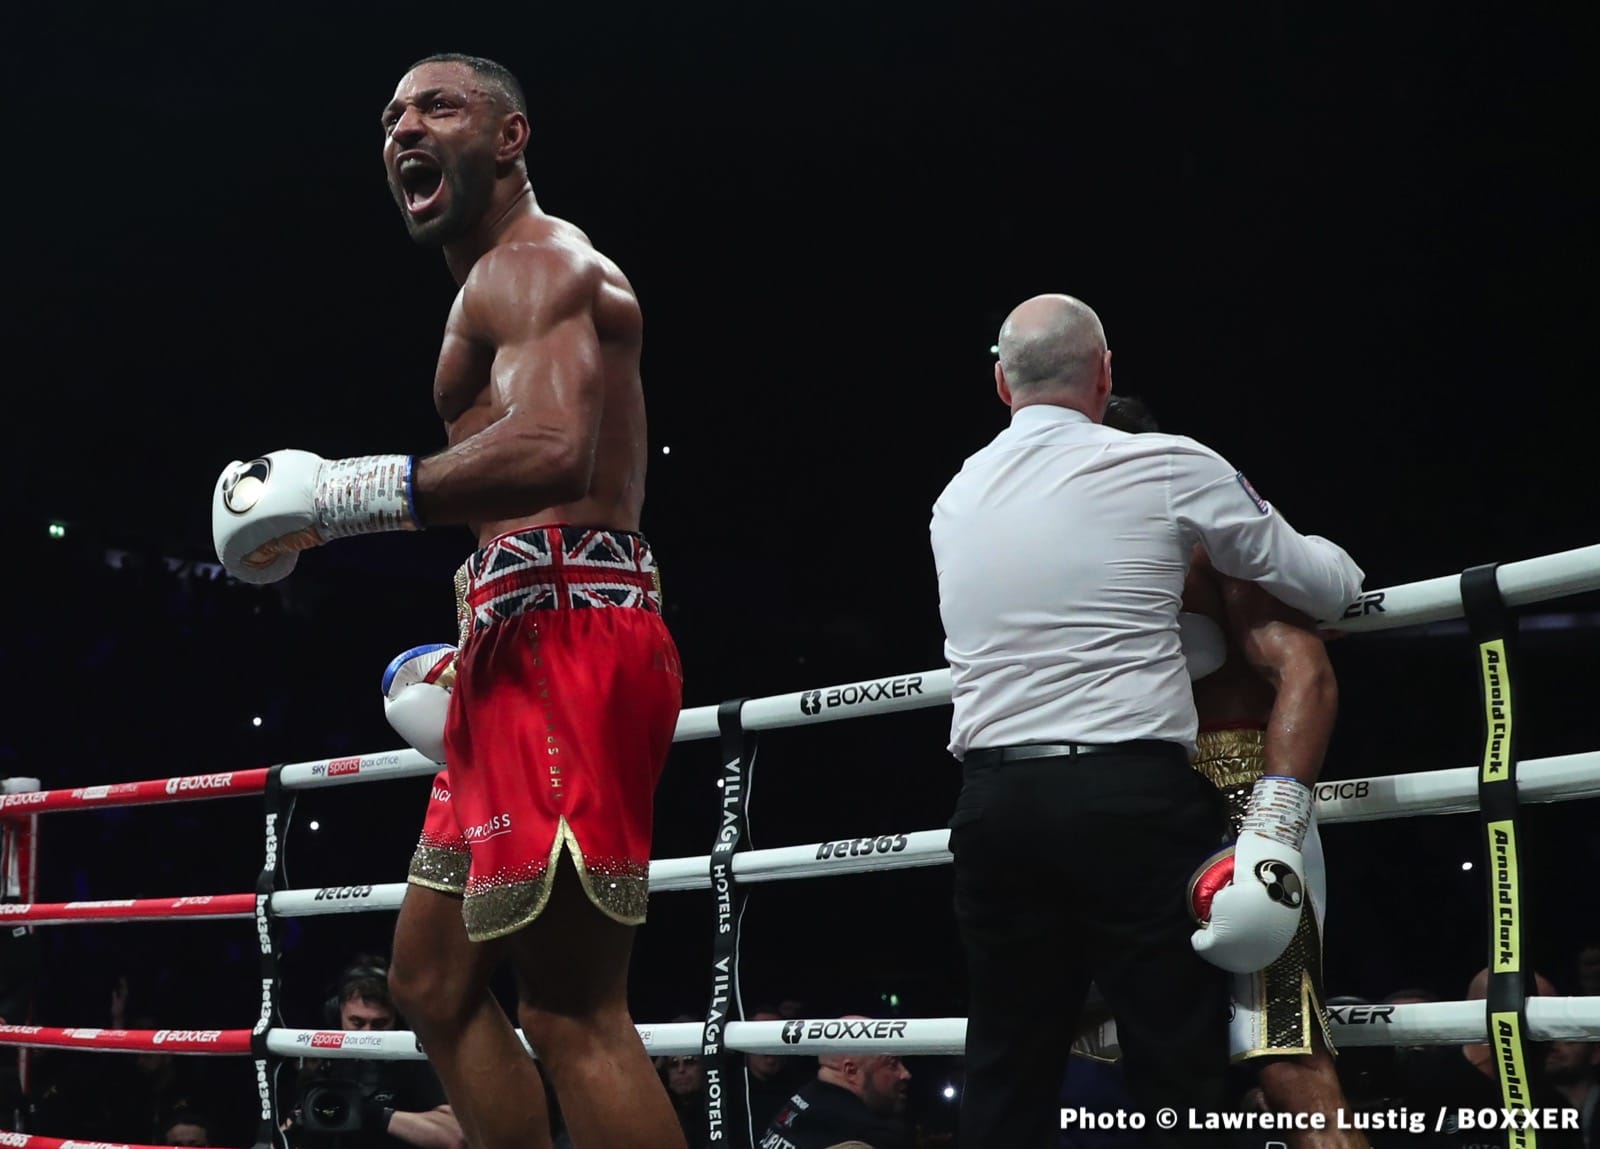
(1309, 1085)
(440, 983)
(572, 973)
(1278, 1012)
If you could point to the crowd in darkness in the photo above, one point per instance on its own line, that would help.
(125, 663)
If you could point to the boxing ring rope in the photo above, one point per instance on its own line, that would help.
(189, 788)
(216, 1042)
(1422, 1023)
(35, 1141)
(1567, 777)
(1441, 792)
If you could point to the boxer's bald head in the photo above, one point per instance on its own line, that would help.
(1053, 350)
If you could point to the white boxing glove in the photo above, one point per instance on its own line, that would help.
(1205, 647)
(416, 696)
(1256, 888)
(265, 512)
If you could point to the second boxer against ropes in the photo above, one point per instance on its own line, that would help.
(536, 843)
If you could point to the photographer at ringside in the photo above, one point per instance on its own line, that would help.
(362, 1104)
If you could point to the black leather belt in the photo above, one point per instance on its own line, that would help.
(995, 756)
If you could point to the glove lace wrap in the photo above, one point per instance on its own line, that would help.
(1280, 809)
(365, 494)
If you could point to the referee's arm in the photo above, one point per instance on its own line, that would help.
(1247, 538)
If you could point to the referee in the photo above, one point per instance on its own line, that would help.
(1061, 550)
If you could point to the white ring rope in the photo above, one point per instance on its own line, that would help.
(1409, 604)
(1425, 1023)
(1567, 777)
(1563, 778)
(1438, 792)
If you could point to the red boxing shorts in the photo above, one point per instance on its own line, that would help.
(567, 692)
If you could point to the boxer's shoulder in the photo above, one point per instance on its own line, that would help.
(522, 284)
(1251, 606)
(531, 267)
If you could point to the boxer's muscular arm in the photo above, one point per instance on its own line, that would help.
(534, 307)
(1201, 589)
(1281, 645)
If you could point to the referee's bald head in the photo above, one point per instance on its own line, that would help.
(1052, 346)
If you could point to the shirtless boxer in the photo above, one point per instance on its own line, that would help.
(1270, 704)
(567, 685)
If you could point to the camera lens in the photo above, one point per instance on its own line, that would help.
(328, 1108)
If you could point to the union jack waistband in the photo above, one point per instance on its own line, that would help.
(555, 568)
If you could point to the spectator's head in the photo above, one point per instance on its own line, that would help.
(362, 1000)
(1572, 1062)
(1589, 970)
(157, 1067)
(1478, 987)
(764, 1066)
(185, 1127)
(880, 1080)
(1479, 1053)
(684, 1075)
(1411, 995)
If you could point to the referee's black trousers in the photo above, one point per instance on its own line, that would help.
(1075, 869)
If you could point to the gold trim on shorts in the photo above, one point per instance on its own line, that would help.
(1099, 1044)
(440, 869)
(1229, 758)
(463, 579)
(1293, 978)
(499, 905)
(1232, 760)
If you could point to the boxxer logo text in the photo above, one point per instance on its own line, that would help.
(816, 701)
(199, 782)
(870, 1030)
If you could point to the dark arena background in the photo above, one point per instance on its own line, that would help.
(1352, 249)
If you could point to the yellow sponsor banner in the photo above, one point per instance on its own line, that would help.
(1506, 1033)
(1496, 711)
(1505, 908)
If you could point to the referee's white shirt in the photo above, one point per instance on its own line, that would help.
(1062, 548)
